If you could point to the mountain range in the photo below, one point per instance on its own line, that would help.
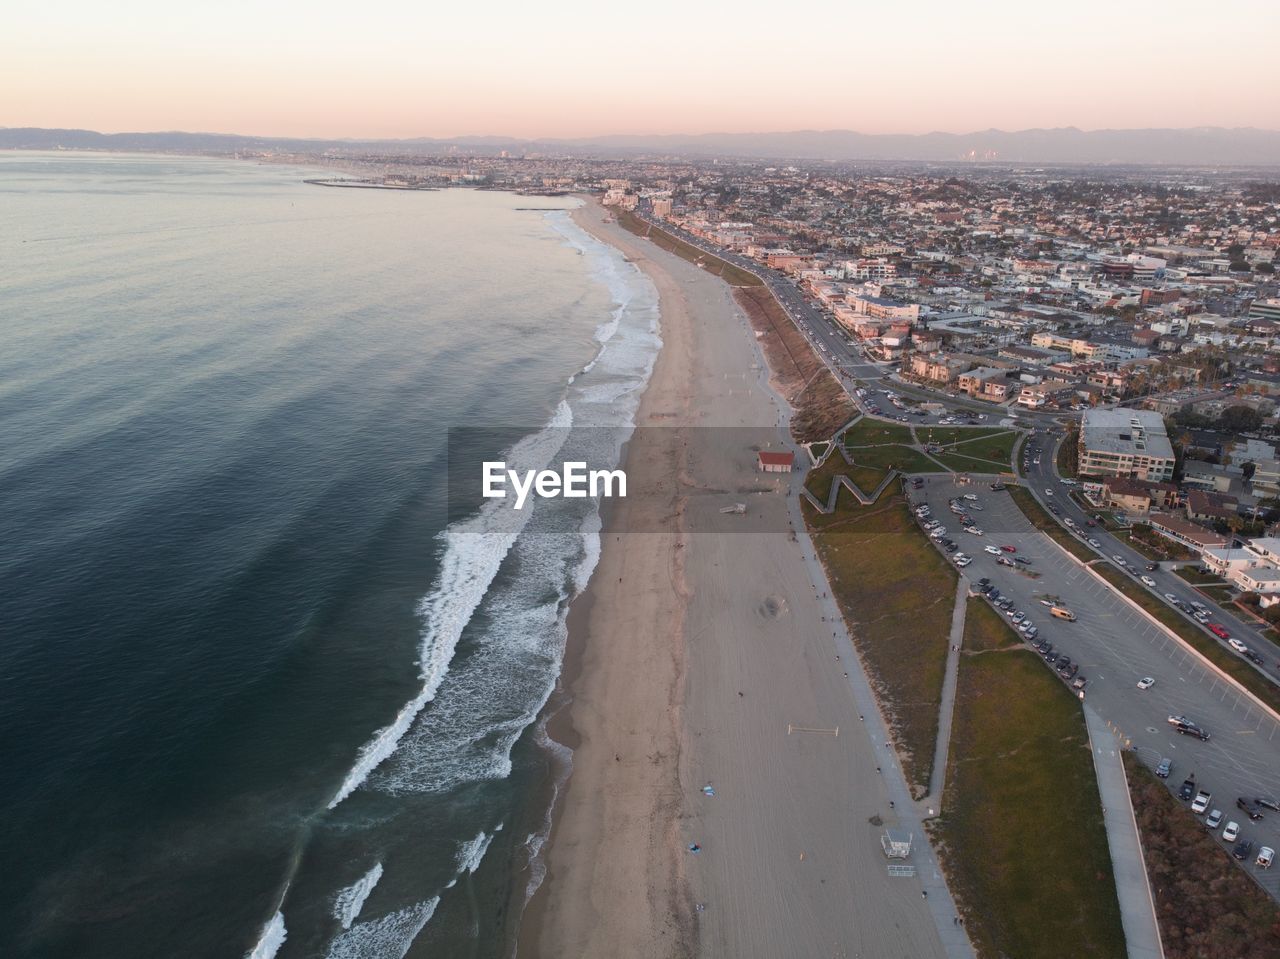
(1197, 146)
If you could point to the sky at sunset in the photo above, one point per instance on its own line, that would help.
(571, 68)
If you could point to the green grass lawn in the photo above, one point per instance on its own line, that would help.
(866, 478)
(869, 432)
(896, 593)
(903, 458)
(1205, 906)
(1042, 520)
(1193, 576)
(985, 629)
(1225, 660)
(1021, 823)
(946, 435)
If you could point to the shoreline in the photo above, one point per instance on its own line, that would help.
(573, 722)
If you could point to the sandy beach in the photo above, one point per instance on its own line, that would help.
(703, 654)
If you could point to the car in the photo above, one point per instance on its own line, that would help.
(1151, 567)
(1055, 511)
(997, 486)
(1090, 523)
(1213, 820)
(1253, 657)
(1018, 616)
(1187, 789)
(1095, 544)
(1242, 851)
(1022, 560)
(984, 581)
(1051, 658)
(1003, 561)
(971, 497)
(1201, 616)
(1048, 492)
(1267, 802)
(1163, 768)
(1192, 729)
(1265, 857)
(993, 550)
(1148, 581)
(1170, 597)
(1120, 560)
(1219, 631)
(1178, 720)
(1238, 646)
(1201, 802)
(1232, 832)
(1146, 682)
(1009, 549)
(1249, 807)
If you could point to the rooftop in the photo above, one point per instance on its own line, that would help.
(1131, 432)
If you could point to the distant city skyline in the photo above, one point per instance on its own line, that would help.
(577, 69)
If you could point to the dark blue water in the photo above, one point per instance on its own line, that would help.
(223, 404)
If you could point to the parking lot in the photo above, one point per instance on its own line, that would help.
(1115, 646)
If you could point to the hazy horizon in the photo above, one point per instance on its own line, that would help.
(671, 69)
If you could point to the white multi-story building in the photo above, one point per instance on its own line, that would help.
(1122, 442)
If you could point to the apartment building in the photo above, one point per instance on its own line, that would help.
(1122, 442)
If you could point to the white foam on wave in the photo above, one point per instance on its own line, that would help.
(471, 854)
(348, 903)
(271, 938)
(388, 937)
(474, 551)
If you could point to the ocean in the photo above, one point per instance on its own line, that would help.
(264, 689)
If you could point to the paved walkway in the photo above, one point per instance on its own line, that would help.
(1137, 907)
(932, 803)
(929, 877)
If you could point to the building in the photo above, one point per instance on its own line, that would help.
(881, 309)
(1206, 507)
(1265, 310)
(940, 368)
(768, 462)
(986, 383)
(1136, 497)
(1123, 442)
(1189, 534)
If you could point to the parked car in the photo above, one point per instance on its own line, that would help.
(1267, 802)
(1249, 807)
(1095, 544)
(993, 550)
(1213, 820)
(1242, 851)
(1163, 768)
(1238, 646)
(1146, 682)
(1232, 832)
(1187, 789)
(1148, 581)
(1266, 855)
(1009, 549)
(1219, 631)
(1201, 802)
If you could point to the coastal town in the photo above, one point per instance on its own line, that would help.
(1082, 366)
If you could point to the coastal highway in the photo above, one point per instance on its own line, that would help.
(1116, 646)
(1044, 476)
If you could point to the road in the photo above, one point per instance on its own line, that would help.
(1115, 646)
(1044, 476)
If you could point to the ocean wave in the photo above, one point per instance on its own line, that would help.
(271, 939)
(348, 903)
(474, 550)
(472, 854)
(389, 937)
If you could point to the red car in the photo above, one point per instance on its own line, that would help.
(1219, 631)
(1008, 549)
